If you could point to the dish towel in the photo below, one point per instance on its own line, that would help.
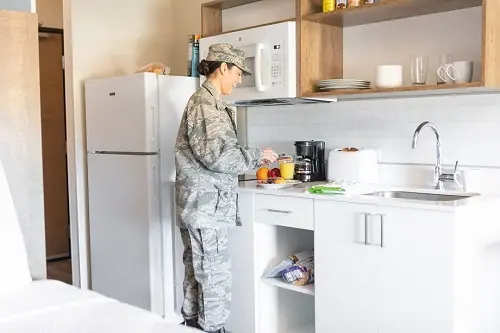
(341, 188)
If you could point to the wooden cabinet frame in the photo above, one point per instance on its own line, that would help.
(320, 42)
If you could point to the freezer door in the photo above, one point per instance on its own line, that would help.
(125, 231)
(122, 113)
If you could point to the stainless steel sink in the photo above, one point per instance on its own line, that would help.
(419, 196)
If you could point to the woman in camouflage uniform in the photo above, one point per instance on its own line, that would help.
(208, 162)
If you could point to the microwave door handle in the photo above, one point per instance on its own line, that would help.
(258, 67)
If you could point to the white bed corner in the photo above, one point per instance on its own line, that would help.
(49, 306)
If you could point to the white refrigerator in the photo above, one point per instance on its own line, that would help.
(135, 247)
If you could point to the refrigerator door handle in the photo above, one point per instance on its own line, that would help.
(154, 131)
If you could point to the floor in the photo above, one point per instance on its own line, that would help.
(60, 270)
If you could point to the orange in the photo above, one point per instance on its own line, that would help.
(262, 173)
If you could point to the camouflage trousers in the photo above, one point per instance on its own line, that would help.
(207, 279)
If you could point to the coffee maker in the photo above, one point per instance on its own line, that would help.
(310, 161)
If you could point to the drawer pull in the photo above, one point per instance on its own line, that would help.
(279, 211)
(366, 228)
(382, 216)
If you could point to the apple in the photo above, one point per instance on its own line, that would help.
(274, 173)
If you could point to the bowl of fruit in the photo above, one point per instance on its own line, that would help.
(271, 179)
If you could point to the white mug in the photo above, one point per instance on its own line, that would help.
(441, 73)
(462, 72)
(389, 76)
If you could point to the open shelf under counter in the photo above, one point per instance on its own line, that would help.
(308, 289)
(387, 10)
(405, 91)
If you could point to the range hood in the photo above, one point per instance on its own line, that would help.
(282, 101)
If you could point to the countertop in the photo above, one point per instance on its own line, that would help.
(300, 192)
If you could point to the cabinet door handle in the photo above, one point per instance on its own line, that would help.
(279, 211)
(366, 228)
(382, 216)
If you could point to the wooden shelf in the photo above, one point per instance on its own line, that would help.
(408, 91)
(320, 42)
(276, 282)
(391, 90)
(226, 4)
(387, 10)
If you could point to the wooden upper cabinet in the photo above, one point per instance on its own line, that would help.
(351, 43)
(491, 43)
(50, 13)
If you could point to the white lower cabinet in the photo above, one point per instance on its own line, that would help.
(416, 271)
(383, 269)
(345, 268)
(241, 250)
(378, 268)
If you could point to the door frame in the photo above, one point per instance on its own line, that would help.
(76, 156)
(78, 244)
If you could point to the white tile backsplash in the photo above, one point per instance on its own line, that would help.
(469, 128)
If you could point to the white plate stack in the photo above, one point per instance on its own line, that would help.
(333, 84)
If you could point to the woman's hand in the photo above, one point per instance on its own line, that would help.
(268, 156)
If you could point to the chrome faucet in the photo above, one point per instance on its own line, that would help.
(439, 176)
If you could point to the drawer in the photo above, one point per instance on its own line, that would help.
(284, 211)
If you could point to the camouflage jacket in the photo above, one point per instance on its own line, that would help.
(208, 160)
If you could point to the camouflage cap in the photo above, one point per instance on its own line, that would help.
(229, 54)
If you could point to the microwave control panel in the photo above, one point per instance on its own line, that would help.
(277, 65)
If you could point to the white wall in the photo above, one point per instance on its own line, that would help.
(18, 5)
(457, 33)
(469, 127)
(104, 38)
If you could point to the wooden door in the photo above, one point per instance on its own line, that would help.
(54, 145)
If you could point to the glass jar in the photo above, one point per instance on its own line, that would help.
(328, 6)
(354, 3)
(341, 4)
